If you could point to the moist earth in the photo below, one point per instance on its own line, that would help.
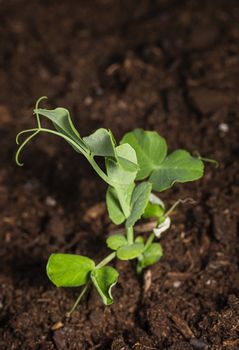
(170, 66)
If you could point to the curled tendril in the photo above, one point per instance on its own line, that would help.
(208, 160)
(23, 144)
(34, 131)
(36, 108)
(179, 201)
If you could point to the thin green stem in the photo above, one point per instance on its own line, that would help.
(208, 160)
(75, 144)
(99, 171)
(22, 145)
(149, 240)
(84, 290)
(36, 108)
(130, 235)
(24, 132)
(186, 200)
(106, 260)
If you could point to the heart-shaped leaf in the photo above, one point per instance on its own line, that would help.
(69, 270)
(140, 198)
(130, 251)
(104, 279)
(150, 149)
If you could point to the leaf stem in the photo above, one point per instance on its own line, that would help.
(149, 240)
(22, 145)
(37, 114)
(208, 160)
(68, 314)
(186, 200)
(99, 171)
(130, 235)
(106, 260)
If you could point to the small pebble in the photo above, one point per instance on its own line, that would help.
(88, 101)
(57, 326)
(177, 284)
(50, 201)
(223, 127)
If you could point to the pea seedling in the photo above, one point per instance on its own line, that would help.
(134, 168)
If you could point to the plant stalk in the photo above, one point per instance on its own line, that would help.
(99, 171)
(130, 235)
(84, 290)
(106, 260)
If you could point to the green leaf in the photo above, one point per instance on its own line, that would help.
(130, 251)
(150, 256)
(140, 198)
(118, 202)
(118, 174)
(69, 270)
(150, 149)
(63, 124)
(104, 279)
(153, 211)
(101, 143)
(127, 157)
(123, 170)
(116, 241)
(113, 205)
(139, 239)
(179, 166)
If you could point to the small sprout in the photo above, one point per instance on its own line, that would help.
(140, 155)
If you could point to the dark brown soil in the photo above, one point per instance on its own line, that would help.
(165, 65)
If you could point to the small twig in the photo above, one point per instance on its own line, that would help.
(183, 327)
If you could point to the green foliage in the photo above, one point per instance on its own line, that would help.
(69, 270)
(114, 208)
(141, 155)
(62, 122)
(179, 166)
(104, 279)
(139, 202)
(101, 143)
(130, 251)
(150, 148)
(163, 172)
(150, 256)
(116, 241)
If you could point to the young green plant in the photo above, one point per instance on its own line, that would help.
(135, 169)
